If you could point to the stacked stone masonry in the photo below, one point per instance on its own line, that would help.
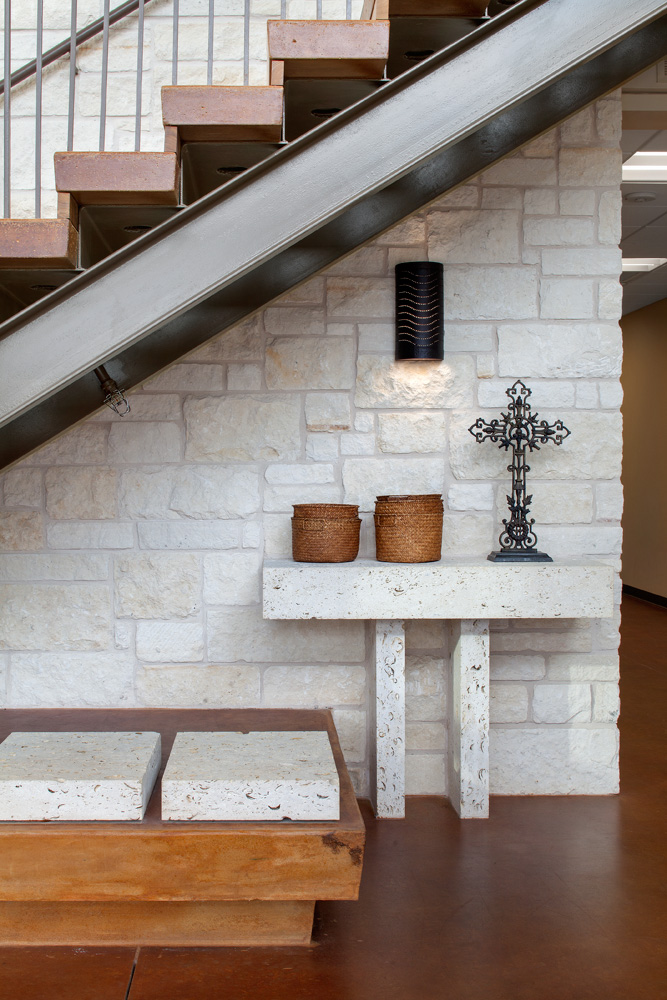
(132, 549)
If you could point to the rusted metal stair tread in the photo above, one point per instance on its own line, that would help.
(224, 114)
(318, 50)
(118, 178)
(28, 244)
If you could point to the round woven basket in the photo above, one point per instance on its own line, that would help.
(326, 510)
(409, 529)
(325, 532)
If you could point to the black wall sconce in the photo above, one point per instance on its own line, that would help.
(420, 332)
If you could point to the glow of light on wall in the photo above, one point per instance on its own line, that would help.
(646, 167)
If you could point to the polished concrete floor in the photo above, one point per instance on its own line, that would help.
(550, 899)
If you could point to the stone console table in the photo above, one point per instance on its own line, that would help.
(469, 595)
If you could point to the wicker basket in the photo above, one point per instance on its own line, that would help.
(409, 529)
(325, 532)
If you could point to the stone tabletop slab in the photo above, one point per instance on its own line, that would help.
(77, 776)
(251, 776)
(369, 589)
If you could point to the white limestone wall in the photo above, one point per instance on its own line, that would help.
(133, 547)
(228, 68)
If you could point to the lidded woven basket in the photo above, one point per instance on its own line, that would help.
(409, 528)
(325, 532)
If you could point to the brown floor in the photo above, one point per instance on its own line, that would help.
(550, 899)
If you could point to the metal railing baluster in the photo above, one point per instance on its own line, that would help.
(38, 109)
(319, 10)
(174, 45)
(209, 65)
(105, 74)
(72, 79)
(348, 10)
(140, 76)
(246, 43)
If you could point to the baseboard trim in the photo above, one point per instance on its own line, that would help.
(645, 595)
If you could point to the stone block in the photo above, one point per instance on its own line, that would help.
(170, 642)
(366, 478)
(22, 487)
(550, 641)
(360, 298)
(251, 776)
(157, 585)
(367, 260)
(502, 198)
(577, 668)
(188, 377)
(604, 261)
(188, 534)
(524, 172)
(590, 350)
(509, 703)
(364, 422)
(72, 679)
(464, 196)
(544, 145)
(321, 448)
(244, 378)
(579, 128)
(328, 411)
(470, 337)
(609, 501)
(566, 761)
(562, 703)
(589, 167)
(425, 736)
(77, 776)
(587, 395)
(283, 321)
(402, 433)
(53, 567)
(351, 728)
(606, 703)
(90, 535)
(307, 363)
(470, 496)
(251, 533)
(491, 293)
(83, 445)
(85, 493)
(425, 694)
(145, 406)
(288, 475)
(21, 530)
(609, 217)
(539, 201)
(566, 298)
(424, 634)
(241, 634)
(554, 393)
(310, 292)
(465, 536)
(145, 443)
(376, 338)
(198, 686)
(243, 429)
(558, 503)
(52, 617)
(608, 120)
(596, 540)
(425, 774)
(561, 232)
(357, 444)
(282, 498)
(386, 384)
(577, 202)
(486, 366)
(475, 236)
(242, 342)
(611, 394)
(277, 536)
(232, 578)
(610, 299)
(517, 668)
(196, 492)
(313, 687)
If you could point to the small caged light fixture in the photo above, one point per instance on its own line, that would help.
(419, 311)
(114, 397)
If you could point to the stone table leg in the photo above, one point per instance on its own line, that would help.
(390, 719)
(469, 719)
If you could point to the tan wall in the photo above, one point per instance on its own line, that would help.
(645, 449)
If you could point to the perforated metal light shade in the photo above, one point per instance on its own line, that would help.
(419, 311)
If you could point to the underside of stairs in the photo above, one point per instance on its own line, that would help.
(362, 123)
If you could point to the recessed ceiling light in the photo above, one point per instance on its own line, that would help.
(640, 197)
(643, 263)
(646, 167)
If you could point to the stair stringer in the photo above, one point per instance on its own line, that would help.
(330, 191)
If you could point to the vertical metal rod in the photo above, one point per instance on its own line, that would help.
(319, 10)
(105, 73)
(72, 79)
(209, 65)
(7, 126)
(174, 45)
(140, 76)
(283, 9)
(348, 10)
(246, 43)
(38, 109)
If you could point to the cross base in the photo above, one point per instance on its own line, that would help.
(518, 555)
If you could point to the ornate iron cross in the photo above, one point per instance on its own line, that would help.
(520, 430)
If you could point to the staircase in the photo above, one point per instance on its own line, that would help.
(259, 187)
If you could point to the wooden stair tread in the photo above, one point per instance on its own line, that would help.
(37, 243)
(329, 49)
(118, 178)
(224, 114)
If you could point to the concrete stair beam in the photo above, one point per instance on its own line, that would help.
(224, 114)
(125, 178)
(38, 243)
(328, 50)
